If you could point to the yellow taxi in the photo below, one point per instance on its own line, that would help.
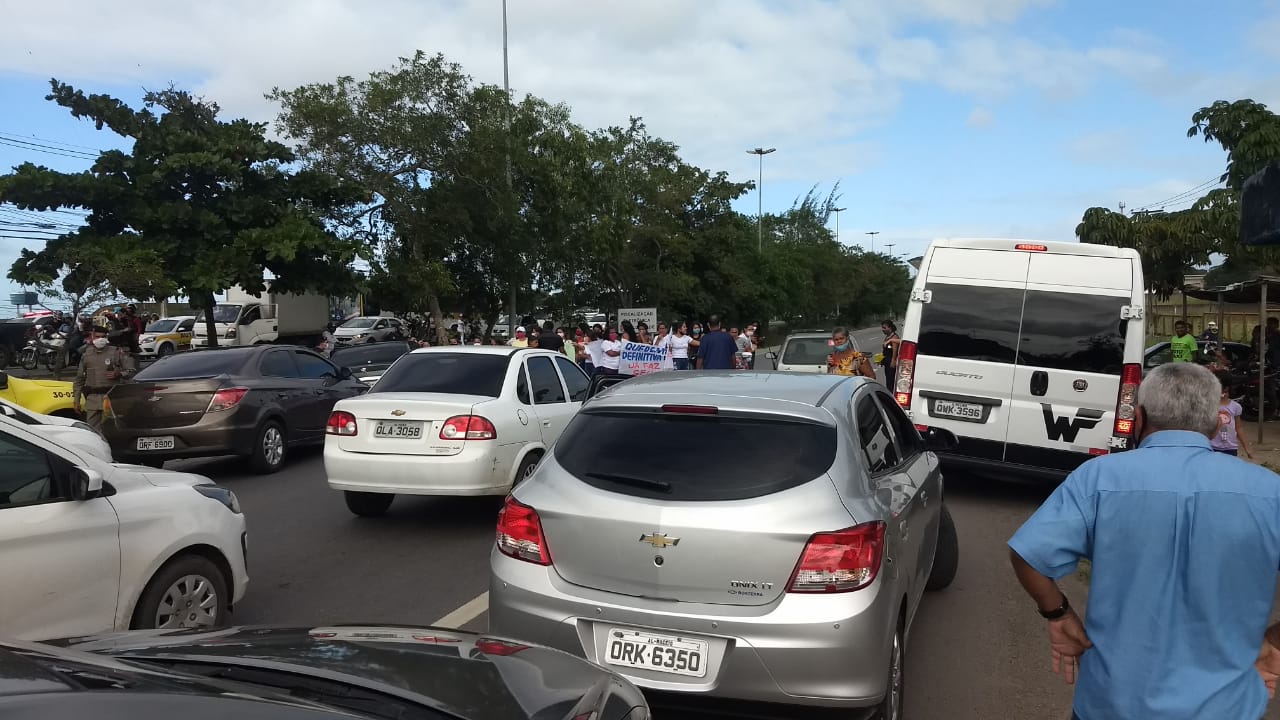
(167, 336)
(47, 397)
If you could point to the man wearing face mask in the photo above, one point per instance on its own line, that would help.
(102, 366)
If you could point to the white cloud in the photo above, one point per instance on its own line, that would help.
(981, 118)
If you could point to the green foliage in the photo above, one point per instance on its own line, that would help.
(196, 206)
(1170, 242)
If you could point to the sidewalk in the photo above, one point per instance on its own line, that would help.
(1268, 453)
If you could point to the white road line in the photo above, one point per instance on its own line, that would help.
(474, 608)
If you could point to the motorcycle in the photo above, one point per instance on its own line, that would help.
(1244, 390)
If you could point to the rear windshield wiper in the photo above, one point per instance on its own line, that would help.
(658, 485)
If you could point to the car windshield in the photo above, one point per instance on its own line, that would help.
(376, 354)
(162, 326)
(446, 372)
(224, 313)
(359, 323)
(806, 351)
(203, 364)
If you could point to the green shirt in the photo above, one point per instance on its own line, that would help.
(1184, 348)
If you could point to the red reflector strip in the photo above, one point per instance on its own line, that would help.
(1098, 451)
(691, 409)
(1030, 247)
(923, 428)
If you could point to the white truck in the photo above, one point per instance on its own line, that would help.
(249, 319)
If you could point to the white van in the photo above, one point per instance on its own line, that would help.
(1030, 353)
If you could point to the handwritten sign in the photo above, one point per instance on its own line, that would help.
(640, 359)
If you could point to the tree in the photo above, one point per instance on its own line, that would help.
(203, 203)
(1170, 242)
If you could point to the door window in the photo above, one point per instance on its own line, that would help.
(186, 325)
(279, 363)
(873, 434)
(312, 367)
(1073, 331)
(545, 381)
(27, 476)
(522, 387)
(971, 322)
(908, 439)
(574, 379)
(253, 314)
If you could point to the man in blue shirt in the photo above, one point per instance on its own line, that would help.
(1184, 544)
(717, 348)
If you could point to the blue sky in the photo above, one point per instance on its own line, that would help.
(938, 118)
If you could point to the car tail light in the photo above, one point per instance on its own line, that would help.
(500, 648)
(226, 398)
(468, 427)
(1031, 247)
(903, 383)
(1127, 402)
(341, 423)
(520, 533)
(691, 409)
(840, 561)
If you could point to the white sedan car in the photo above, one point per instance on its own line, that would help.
(88, 546)
(77, 433)
(457, 420)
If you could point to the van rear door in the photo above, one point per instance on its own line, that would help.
(967, 344)
(1070, 356)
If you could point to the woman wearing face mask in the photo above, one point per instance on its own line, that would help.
(696, 332)
(845, 360)
(610, 354)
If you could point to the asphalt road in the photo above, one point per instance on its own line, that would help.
(977, 650)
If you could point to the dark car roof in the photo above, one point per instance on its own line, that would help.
(235, 360)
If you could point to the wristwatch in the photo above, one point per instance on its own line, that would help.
(1057, 613)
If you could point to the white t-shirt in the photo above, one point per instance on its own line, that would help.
(680, 346)
(595, 353)
(611, 362)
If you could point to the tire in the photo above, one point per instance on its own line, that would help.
(527, 466)
(164, 350)
(891, 707)
(946, 558)
(193, 582)
(269, 448)
(28, 359)
(367, 504)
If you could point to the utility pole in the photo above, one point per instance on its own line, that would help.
(890, 246)
(873, 235)
(506, 86)
(837, 211)
(760, 196)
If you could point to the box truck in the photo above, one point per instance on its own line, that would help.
(251, 319)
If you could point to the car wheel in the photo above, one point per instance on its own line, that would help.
(527, 466)
(891, 706)
(946, 558)
(189, 591)
(269, 449)
(367, 504)
(164, 350)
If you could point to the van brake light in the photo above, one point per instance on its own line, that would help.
(1127, 402)
(905, 380)
(1030, 247)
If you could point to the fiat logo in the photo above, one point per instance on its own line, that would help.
(1080, 385)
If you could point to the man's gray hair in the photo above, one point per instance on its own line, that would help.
(1181, 396)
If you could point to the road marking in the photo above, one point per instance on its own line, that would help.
(474, 608)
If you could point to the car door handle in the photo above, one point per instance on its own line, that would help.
(546, 423)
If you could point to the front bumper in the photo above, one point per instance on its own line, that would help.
(829, 651)
(482, 468)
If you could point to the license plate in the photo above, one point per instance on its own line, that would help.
(660, 653)
(970, 412)
(164, 442)
(404, 430)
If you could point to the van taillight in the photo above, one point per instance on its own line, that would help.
(520, 533)
(1031, 247)
(840, 561)
(1127, 402)
(906, 377)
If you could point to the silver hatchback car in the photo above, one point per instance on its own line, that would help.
(730, 536)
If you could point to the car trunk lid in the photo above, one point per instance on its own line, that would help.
(406, 423)
(163, 403)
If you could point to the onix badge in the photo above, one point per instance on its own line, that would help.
(659, 540)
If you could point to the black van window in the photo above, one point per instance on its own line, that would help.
(1073, 331)
(970, 322)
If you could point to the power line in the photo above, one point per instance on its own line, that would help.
(63, 143)
(1182, 195)
(37, 148)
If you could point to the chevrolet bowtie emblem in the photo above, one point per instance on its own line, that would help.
(397, 413)
(659, 540)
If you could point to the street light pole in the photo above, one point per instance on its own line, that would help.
(890, 246)
(760, 197)
(873, 235)
(837, 211)
(506, 86)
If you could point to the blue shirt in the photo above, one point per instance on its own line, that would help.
(717, 350)
(1185, 545)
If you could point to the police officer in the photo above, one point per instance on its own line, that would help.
(102, 366)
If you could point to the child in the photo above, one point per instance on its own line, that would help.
(1229, 439)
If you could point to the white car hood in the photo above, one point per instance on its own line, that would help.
(73, 437)
(351, 332)
(167, 478)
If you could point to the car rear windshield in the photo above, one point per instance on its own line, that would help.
(681, 457)
(1080, 332)
(204, 363)
(375, 354)
(806, 351)
(451, 373)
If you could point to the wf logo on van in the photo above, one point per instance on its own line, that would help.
(1067, 428)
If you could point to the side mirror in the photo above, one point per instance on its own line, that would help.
(940, 441)
(344, 373)
(86, 484)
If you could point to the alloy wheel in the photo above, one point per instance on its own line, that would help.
(272, 446)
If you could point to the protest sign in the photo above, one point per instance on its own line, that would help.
(640, 359)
